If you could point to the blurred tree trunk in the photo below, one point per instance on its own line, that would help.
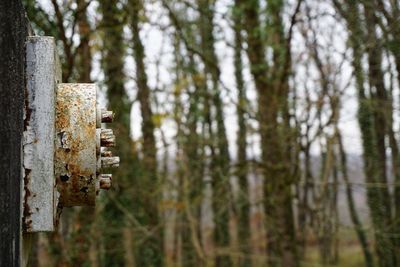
(379, 199)
(201, 140)
(220, 158)
(282, 168)
(243, 207)
(258, 242)
(192, 162)
(272, 89)
(372, 120)
(390, 10)
(43, 256)
(173, 185)
(149, 182)
(193, 148)
(84, 55)
(68, 55)
(358, 226)
(113, 55)
(259, 70)
(391, 33)
(143, 92)
(306, 191)
(326, 201)
(350, 14)
(323, 226)
(202, 191)
(129, 251)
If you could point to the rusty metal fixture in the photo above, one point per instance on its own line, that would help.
(107, 138)
(109, 162)
(106, 153)
(107, 116)
(63, 141)
(105, 181)
(104, 116)
(76, 157)
(79, 155)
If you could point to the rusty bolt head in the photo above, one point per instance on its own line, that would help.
(105, 181)
(107, 138)
(107, 116)
(106, 153)
(109, 162)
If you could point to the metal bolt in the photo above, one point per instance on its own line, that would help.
(108, 162)
(107, 138)
(107, 116)
(106, 153)
(105, 181)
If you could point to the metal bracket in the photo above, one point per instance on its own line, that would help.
(63, 140)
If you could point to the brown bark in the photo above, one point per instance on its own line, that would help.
(68, 54)
(143, 92)
(84, 62)
(382, 215)
(391, 33)
(272, 89)
(128, 246)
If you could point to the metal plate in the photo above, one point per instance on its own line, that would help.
(43, 72)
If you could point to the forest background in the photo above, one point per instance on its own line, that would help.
(251, 132)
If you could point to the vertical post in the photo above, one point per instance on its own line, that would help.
(43, 72)
(13, 32)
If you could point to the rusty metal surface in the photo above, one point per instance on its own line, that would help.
(107, 116)
(105, 181)
(76, 153)
(106, 153)
(109, 162)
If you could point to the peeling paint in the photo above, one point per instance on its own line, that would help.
(27, 220)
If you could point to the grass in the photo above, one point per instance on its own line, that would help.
(350, 255)
(349, 251)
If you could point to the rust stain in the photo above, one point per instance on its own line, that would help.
(27, 225)
(27, 221)
(28, 111)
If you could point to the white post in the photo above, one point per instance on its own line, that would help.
(43, 72)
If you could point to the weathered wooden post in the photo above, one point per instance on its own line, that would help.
(52, 140)
(13, 33)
